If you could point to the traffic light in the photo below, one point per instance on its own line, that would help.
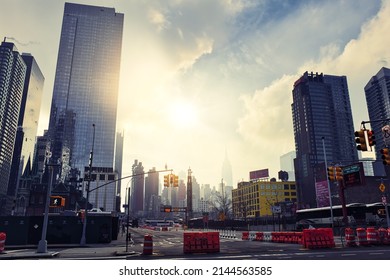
(175, 180)
(166, 180)
(57, 201)
(331, 173)
(339, 173)
(171, 176)
(361, 140)
(371, 138)
(385, 156)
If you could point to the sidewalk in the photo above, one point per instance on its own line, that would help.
(115, 247)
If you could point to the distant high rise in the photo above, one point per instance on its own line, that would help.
(322, 117)
(103, 188)
(118, 163)
(151, 192)
(137, 189)
(28, 121)
(227, 174)
(377, 93)
(287, 164)
(86, 87)
(12, 76)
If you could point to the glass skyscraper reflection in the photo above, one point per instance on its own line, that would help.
(86, 87)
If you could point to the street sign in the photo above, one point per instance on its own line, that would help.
(382, 187)
(353, 175)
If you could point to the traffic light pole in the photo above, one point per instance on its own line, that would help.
(380, 120)
(83, 240)
(329, 190)
(42, 245)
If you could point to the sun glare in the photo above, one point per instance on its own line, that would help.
(183, 114)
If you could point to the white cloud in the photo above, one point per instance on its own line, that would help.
(267, 124)
(267, 121)
(212, 54)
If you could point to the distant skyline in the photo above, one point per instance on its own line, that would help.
(202, 77)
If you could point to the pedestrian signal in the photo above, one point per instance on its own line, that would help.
(57, 201)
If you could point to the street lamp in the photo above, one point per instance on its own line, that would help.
(83, 240)
(329, 191)
(128, 213)
(42, 245)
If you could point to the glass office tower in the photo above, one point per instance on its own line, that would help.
(377, 92)
(323, 123)
(12, 74)
(26, 134)
(86, 87)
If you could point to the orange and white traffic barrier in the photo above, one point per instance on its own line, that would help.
(148, 244)
(372, 236)
(361, 237)
(245, 235)
(350, 237)
(383, 236)
(3, 237)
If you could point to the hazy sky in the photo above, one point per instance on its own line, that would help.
(201, 77)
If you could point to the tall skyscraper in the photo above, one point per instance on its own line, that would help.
(323, 124)
(151, 192)
(118, 164)
(12, 75)
(227, 174)
(137, 189)
(86, 87)
(27, 122)
(377, 93)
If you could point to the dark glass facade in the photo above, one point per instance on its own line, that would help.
(137, 189)
(322, 120)
(28, 121)
(12, 75)
(377, 93)
(86, 87)
(151, 192)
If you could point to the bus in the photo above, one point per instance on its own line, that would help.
(357, 214)
(159, 223)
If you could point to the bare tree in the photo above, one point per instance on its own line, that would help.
(222, 205)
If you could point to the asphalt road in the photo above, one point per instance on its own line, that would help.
(169, 245)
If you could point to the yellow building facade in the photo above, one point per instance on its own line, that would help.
(262, 198)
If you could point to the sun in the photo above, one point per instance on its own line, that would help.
(183, 113)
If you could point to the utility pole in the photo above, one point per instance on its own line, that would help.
(83, 240)
(42, 245)
(329, 190)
